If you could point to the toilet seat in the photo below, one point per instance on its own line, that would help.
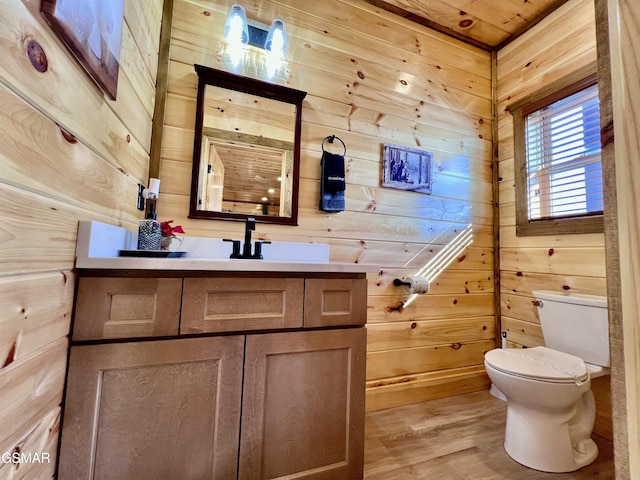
(539, 363)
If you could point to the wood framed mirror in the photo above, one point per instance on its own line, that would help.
(246, 152)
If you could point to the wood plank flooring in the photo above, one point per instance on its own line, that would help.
(455, 438)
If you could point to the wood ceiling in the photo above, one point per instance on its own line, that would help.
(488, 24)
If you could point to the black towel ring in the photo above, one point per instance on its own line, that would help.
(331, 138)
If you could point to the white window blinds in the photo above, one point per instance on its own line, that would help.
(564, 169)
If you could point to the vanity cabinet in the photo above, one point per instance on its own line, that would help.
(257, 377)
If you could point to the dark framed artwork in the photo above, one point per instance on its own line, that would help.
(92, 29)
(406, 168)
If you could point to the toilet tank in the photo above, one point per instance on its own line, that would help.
(577, 324)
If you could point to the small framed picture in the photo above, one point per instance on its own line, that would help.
(92, 30)
(406, 168)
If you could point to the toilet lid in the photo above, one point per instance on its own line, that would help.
(539, 363)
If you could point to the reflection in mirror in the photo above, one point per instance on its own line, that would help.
(247, 149)
(248, 164)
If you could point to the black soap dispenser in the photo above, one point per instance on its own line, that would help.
(149, 230)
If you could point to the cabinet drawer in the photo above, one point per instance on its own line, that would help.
(127, 308)
(241, 304)
(332, 302)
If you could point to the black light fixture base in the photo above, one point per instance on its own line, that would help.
(257, 36)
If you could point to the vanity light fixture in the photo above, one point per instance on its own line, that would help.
(238, 33)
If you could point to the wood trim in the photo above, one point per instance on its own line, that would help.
(401, 12)
(495, 162)
(612, 249)
(563, 92)
(239, 83)
(568, 85)
(569, 226)
(520, 167)
(162, 81)
(574, 82)
(402, 390)
(607, 134)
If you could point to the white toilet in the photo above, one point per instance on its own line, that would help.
(550, 406)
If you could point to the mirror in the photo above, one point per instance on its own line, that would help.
(246, 154)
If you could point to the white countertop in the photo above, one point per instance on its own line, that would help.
(99, 245)
(223, 265)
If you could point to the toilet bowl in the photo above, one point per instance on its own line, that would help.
(550, 407)
(551, 411)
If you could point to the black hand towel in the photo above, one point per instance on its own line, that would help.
(333, 171)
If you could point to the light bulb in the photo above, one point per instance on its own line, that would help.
(277, 43)
(236, 30)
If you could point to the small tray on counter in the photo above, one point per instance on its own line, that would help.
(151, 253)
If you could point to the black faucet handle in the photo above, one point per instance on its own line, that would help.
(258, 249)
(235, 253)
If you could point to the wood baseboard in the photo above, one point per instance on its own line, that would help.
(404, 390)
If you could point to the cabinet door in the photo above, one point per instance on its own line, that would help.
(334, 302)
(238, 304)
(303, 406)
(127, 308)
(148, 410)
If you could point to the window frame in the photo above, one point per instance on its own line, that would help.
(562, 88)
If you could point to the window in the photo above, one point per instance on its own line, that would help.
(558, 162)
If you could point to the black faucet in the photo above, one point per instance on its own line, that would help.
(250, 226)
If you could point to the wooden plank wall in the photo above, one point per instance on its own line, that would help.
(561, 44)
(371, 78)
(50, 179)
